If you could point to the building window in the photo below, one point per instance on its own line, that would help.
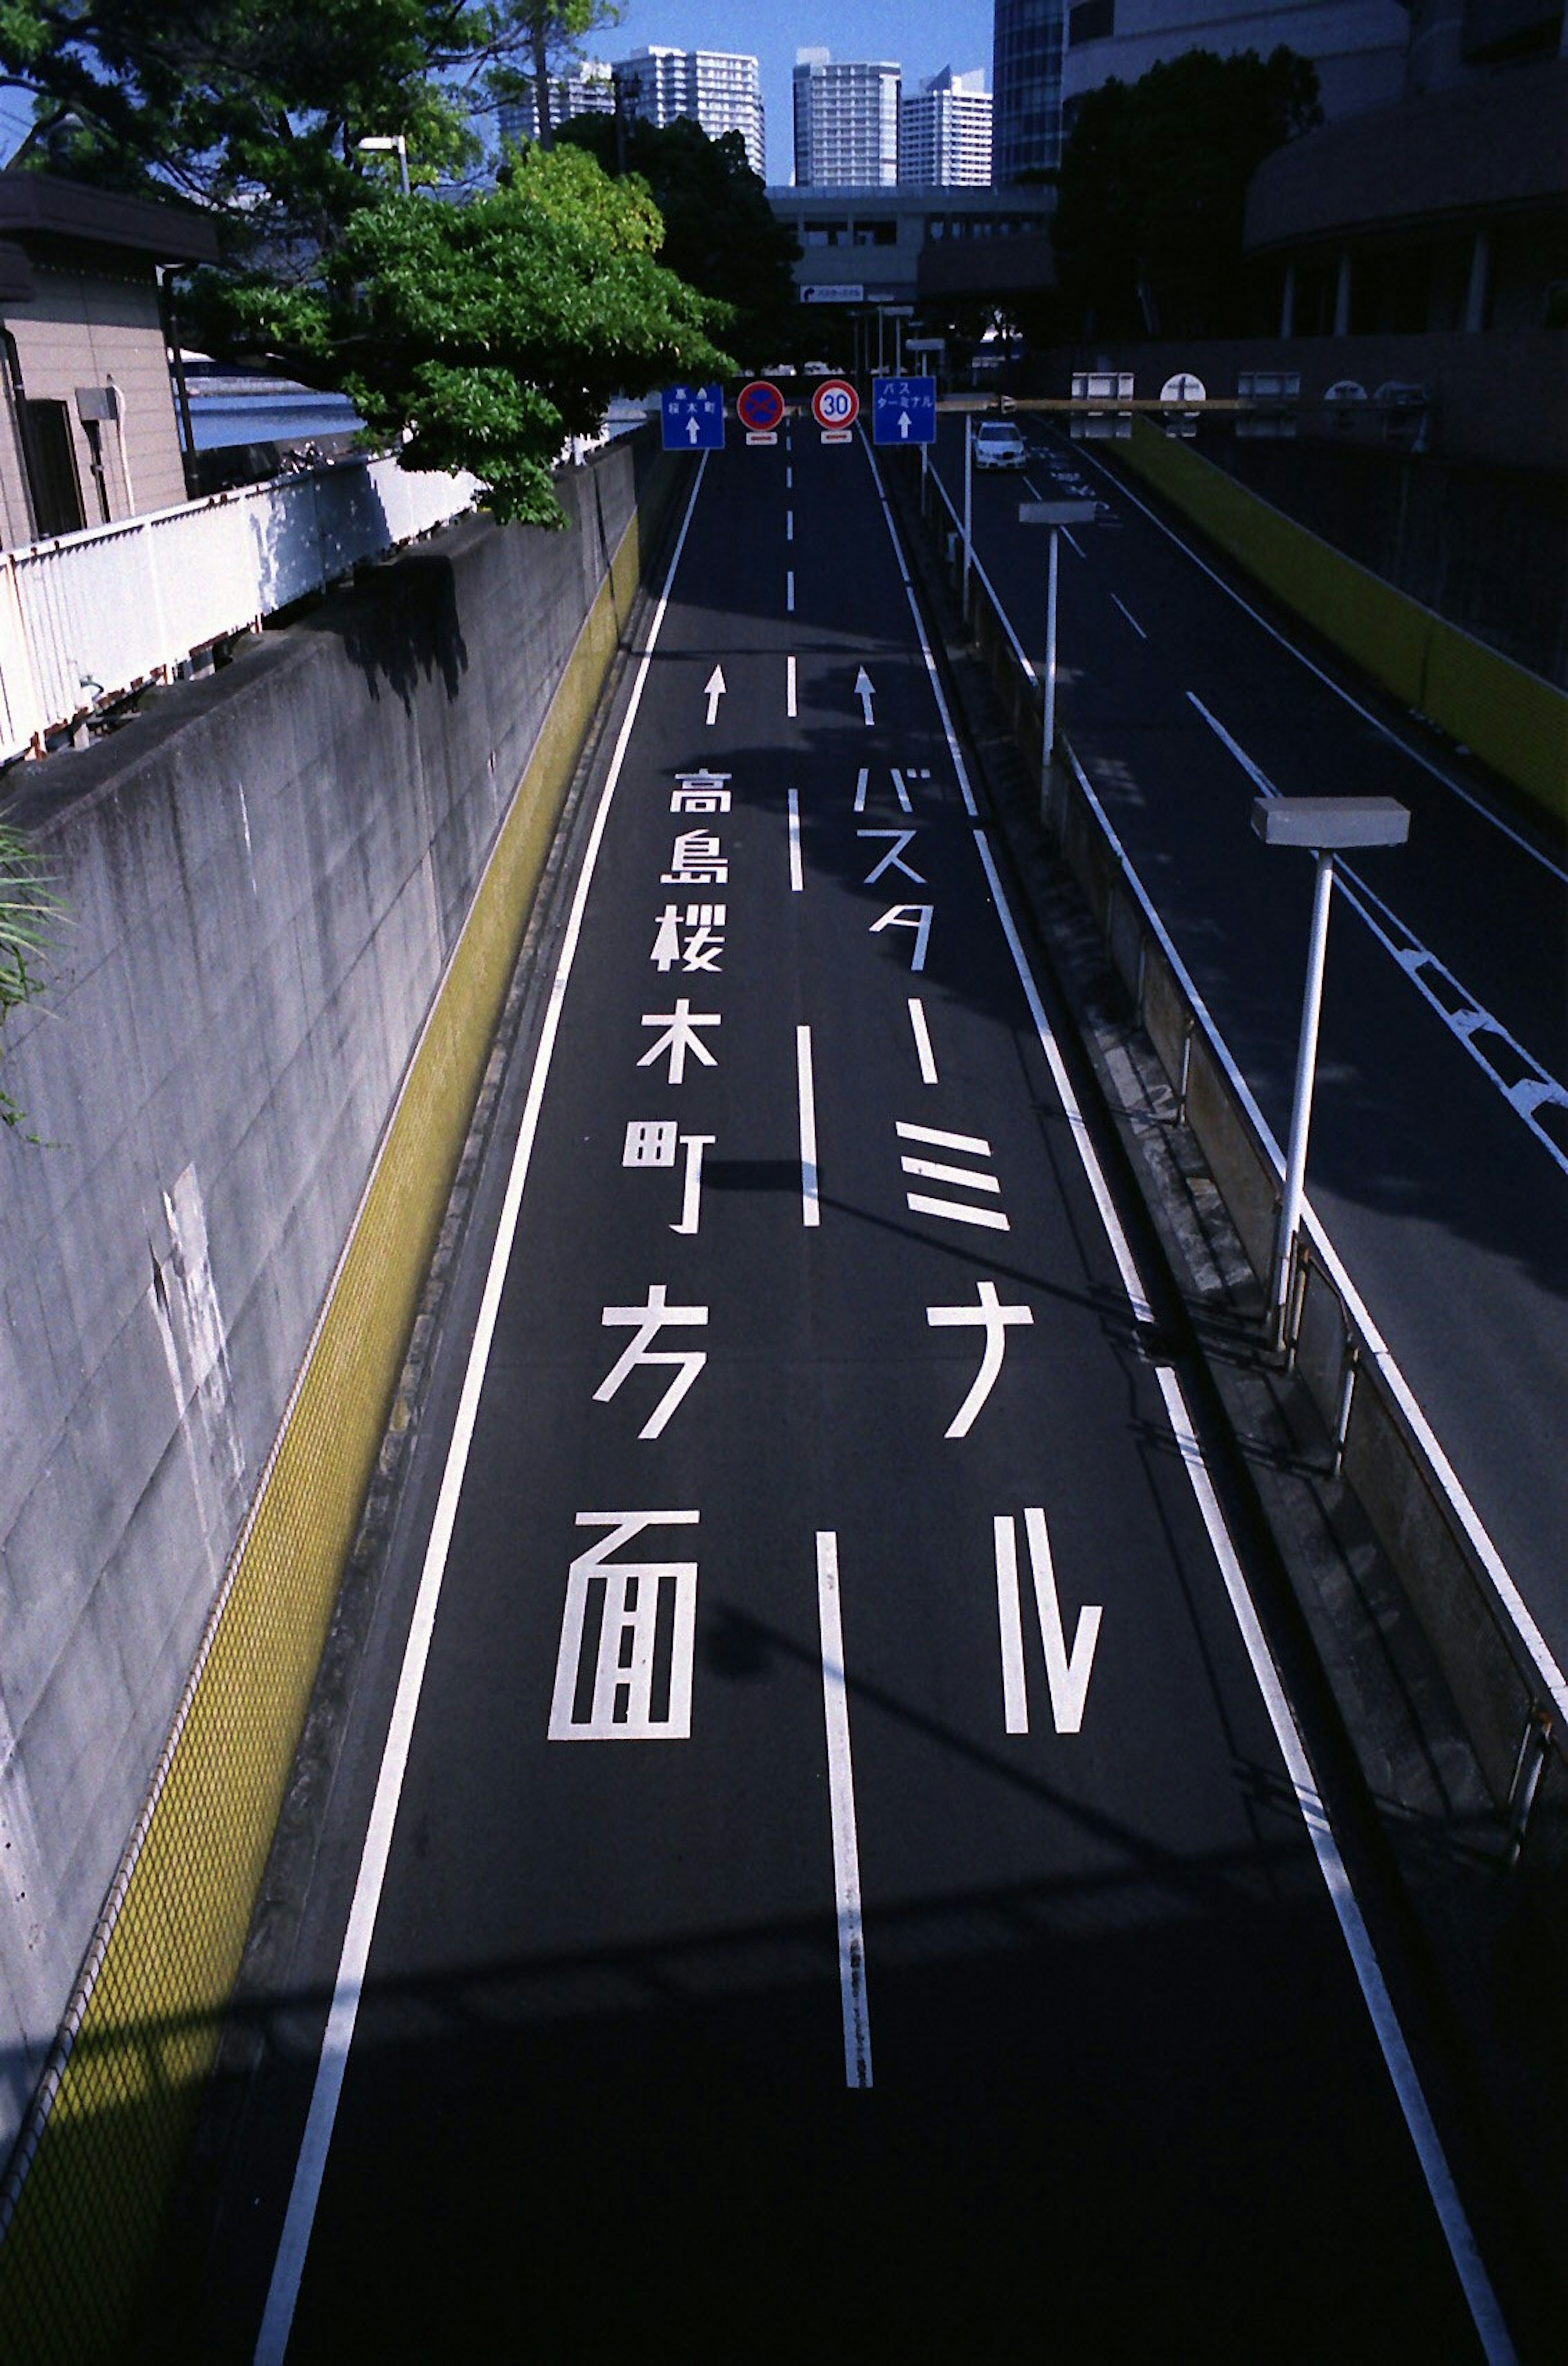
(50, 454)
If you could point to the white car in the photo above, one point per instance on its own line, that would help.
(999, 445)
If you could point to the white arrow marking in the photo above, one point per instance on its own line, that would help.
(865, 693)
(713, 688)
(693, 430)
(905, 422)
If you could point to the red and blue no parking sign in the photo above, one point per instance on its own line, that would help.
(759, 407)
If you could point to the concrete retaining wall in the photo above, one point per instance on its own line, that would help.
(269, 877)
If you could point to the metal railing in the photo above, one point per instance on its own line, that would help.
(87, 618)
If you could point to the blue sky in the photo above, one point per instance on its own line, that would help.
(922, 36)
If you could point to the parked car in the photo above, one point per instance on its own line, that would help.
(999, 445)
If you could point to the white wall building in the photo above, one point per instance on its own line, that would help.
(1358, 46)
(586, 90)
(846, 123)
(720, 91)
(944, 133)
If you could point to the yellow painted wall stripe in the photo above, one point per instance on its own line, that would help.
(1512, 719)
(88, 2216)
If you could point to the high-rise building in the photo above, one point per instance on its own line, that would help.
(1026, 77)
(846, 123)
(1358, 46)
(587, 89)
(944, 133)
(721, 92)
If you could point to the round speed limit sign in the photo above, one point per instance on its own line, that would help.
(835, 404)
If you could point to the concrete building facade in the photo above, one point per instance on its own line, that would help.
(718, 89)
(944, 133)
(846, 122)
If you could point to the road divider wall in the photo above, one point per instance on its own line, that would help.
(1508, 1688)
(1510, 718)
(298, 895)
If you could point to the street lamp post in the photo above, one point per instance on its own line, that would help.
(1324, 826)
(389, 143)
(1054, 515)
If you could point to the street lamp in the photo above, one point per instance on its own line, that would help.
(1322, 825)
(1055, 514)
(388, 143)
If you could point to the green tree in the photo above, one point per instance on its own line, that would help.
(488, 332)
(554, 32)
(482, 333)
(1147, 231)
(720, 234)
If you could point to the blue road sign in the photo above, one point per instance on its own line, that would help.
(692, 418)
(903, 411)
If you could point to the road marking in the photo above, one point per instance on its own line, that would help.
(645, 1323)
(865, 691)
(908, 916)
(860, 790)
(713, 690)
(990, 1219)
(894, 858)
(789, 593)
(691, 1194)
(1066, 1672)
(899, 790)
(996, 1320)
(938, 1140)
(789, 687)
(1468, 1021)
(923, 1052)
(643, 1647)
(789, 525)
(789, 472)
(680, 1037)
(841, 1810)
(289, 2267)
(1131, 618)
(963, 1178)
(931, 1170)
(805, 1095)
(797, 878)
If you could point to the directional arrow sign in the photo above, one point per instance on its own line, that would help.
(692, 418)
(713, 689)
(903, 411)
(865, 691)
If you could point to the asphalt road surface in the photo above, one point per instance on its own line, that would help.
(1439, 1156)
(834, 1871)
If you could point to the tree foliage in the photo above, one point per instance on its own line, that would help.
(483, 332)
(720, 234)
(1147, 231)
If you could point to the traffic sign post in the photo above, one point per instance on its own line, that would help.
(759, 407)
(835, 406)
(692, 418)
(903, 411)
(1054, 515)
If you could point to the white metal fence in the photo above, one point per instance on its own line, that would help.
(91, 616)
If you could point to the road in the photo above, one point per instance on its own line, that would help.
(833, 1867)
(1438, 1160)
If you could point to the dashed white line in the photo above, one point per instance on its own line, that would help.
(789, 593)
(796, 879)
(1131, 618)
(789, 688)
(805, 1094)
(842, 1811)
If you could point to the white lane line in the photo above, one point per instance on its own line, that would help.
(953, 750)
(1482, 2300)
(1131, 618)
(923, 1052)
(789, 525)
(1468, 1021)
(789, 592)
(283, 2292)
(1010, 1620)
(841, 1810)
(1383, 731)
(1403, 2074)
(789, 474)
(789, 687)
(796, 881)
(805, 1094)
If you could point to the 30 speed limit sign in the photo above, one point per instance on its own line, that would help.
(835, 406)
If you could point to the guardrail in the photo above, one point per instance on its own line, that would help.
(90, 617)
(1510, 1692)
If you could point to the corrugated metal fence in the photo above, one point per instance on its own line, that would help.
(90, 617)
